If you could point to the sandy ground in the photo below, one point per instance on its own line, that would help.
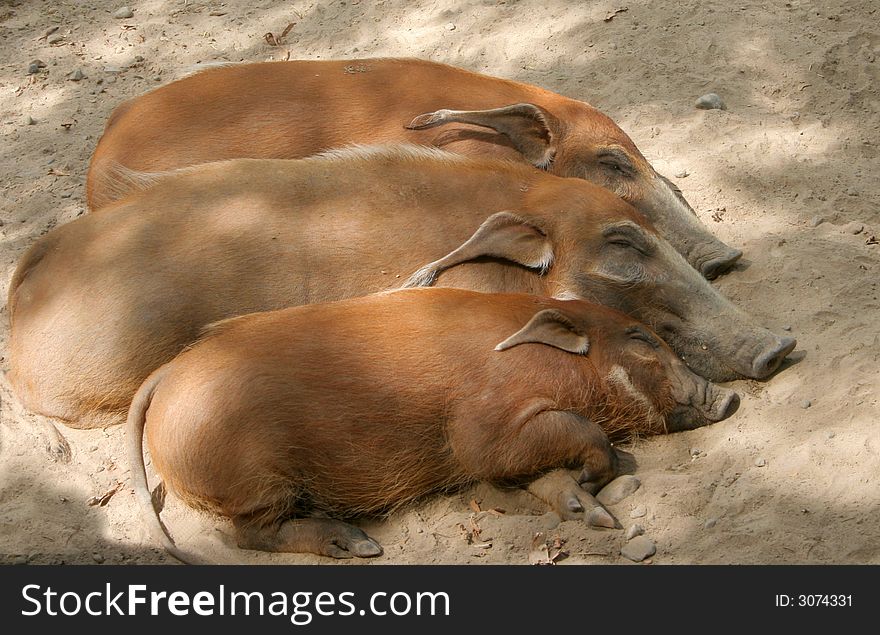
(788, 173)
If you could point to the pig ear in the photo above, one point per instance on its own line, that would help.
(552, 328)
(502, 235)
(531, 129)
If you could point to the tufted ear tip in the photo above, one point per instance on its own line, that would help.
(552, 328)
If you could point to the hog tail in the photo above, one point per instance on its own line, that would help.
(134, 433)
(424, 277)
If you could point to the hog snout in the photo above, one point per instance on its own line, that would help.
(719, 264)
(725, 403)
(769, 359)
(700, 403)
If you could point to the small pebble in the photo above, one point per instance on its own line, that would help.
(618, 489)
(787, 327)
(633, 531)
(93, 448)
(759, 462)
(450, 26)
(681, 175)
(816, 221)
(19, 560)
(638, 549)
(50, 30)
(854, 228)
(638, 512)
(76, 76)
(695, 451)
(829, 434)
(54, 39)
(29, 121)
(710, 101)
(35, 66)
(97, 557)
(122, 13)
(806, 403)
(710, 523)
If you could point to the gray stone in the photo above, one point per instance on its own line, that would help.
(710, 101)
(122, 13)
(638, 512)
(76, 76)
(806, 403)
(19, 560)
(710, 523)
(681, 175)
(29, 121)
(695, 451)
(54, 38)
(787, 327)
(450, 27)
(816, 221)
(638, 549)
(35, 66)
(633, 531)
(618, 489)
(759, 462)
(97, 557)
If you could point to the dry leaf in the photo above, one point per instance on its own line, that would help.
(100, 501)
(467, 536)
(555, 552)
(476, 530)
(538, 553)
(277, 40)
(611, 15)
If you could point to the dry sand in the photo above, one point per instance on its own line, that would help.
(788, 173)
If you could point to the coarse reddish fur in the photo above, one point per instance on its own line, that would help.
(284, 110)
(99, 303)
(362, 405)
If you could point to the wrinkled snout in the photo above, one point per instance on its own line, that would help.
(720, 263)
(700, 402)
(724, 403)
(769, 359)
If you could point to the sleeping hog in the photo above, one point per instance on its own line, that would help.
(359, 406)
(98, 304)
(286, 110)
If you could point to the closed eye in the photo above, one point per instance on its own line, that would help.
(638, 334)
(616, 160)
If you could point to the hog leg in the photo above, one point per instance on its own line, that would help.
(550, 439)
(56, 444)
(561, 491)
(323, 536)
